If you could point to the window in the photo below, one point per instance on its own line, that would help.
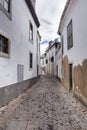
(52, 59)
(69, 35)
(56, 44)
(4, 45)
(46, 61)
(5, 4)
(31, 32)
(31, 61)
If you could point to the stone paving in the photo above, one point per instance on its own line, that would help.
(46, 106)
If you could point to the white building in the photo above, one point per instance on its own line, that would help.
(18, 47)
(74, 34)
(43, 63)
(38, 53)
(51, 66)
(58, 61)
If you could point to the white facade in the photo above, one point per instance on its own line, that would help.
(17, 31)
(38, 54)
(72, 29)
(43, 63)
(58, 59)
(78, 13)
(51, 67)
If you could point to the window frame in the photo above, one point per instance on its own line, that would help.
(8, 12)
(70, 35)
(2, 53)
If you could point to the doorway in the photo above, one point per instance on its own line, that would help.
(70, 77)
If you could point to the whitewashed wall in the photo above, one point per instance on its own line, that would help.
(43, 62)
(51, 66)
(17, 31)
(58, 60)
(78, 14)
(38, 54)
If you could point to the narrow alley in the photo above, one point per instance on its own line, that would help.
(45, 106)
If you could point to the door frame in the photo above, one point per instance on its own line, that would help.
(71, 81)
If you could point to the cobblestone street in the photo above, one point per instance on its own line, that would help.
(45, 106)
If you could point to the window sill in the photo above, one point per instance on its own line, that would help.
(70, 47)
(4, 55)
(5, 12)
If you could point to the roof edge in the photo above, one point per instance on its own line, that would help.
(49, 47)
(31, 8)
(63, 14)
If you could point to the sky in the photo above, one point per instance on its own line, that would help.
(49, 13)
